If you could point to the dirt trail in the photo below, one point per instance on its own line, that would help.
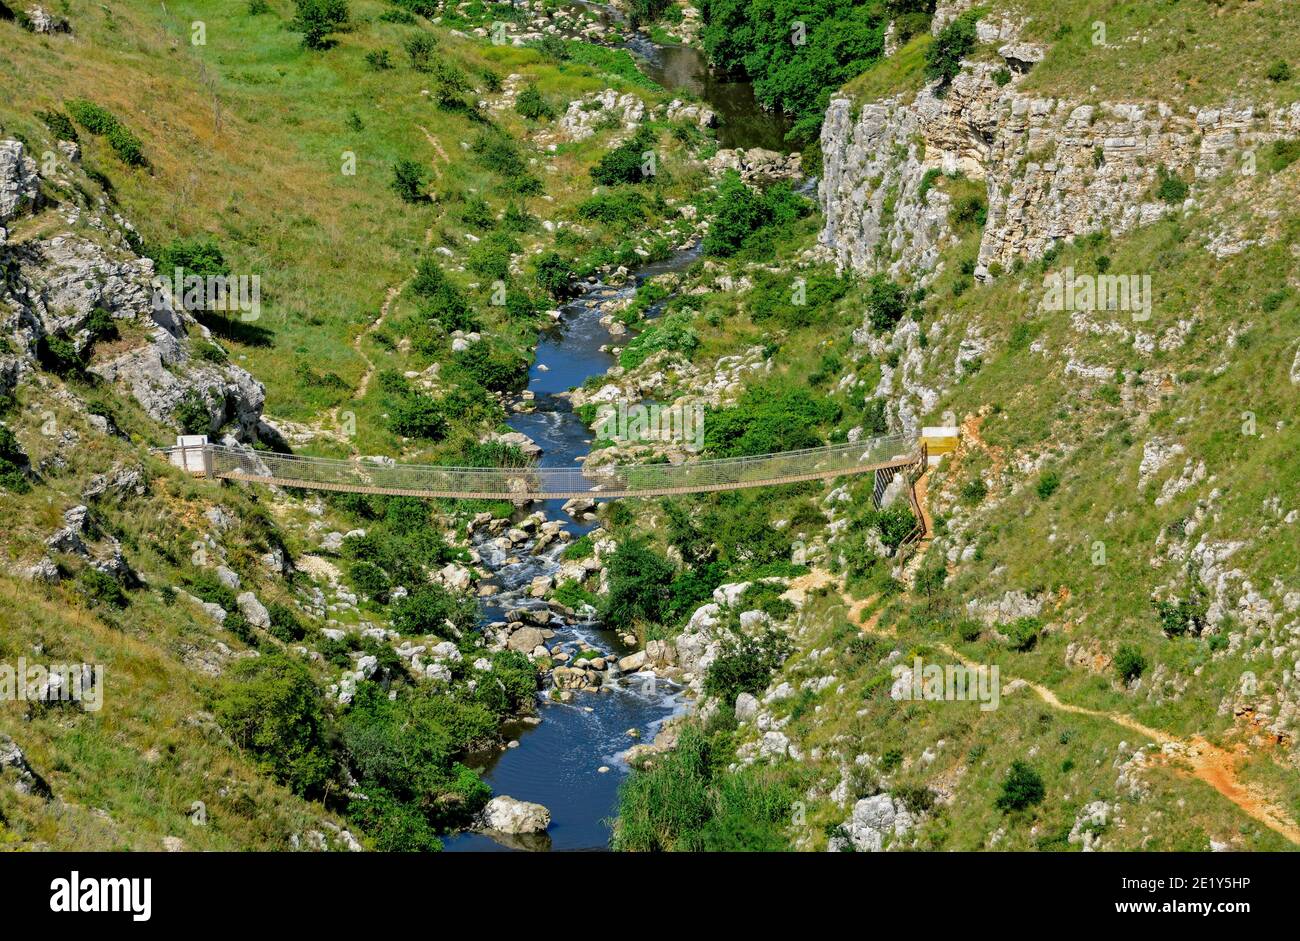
(357, 344)
(1214, 765)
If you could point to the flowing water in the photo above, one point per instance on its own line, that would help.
(558, 761)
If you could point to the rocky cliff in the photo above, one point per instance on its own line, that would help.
(1053, 168)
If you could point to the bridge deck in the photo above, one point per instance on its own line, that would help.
(546, 483)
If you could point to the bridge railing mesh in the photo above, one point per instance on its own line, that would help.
(513, 482)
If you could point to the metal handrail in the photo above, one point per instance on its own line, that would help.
(540, 483)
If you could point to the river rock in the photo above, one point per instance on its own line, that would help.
(525, 640)
(507, 815)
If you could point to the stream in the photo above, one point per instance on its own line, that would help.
(570, 761)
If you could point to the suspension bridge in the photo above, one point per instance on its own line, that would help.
(883, 456)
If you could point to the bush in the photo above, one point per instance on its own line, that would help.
(672, 332)
(200, 256)
(625, 163)
(685, 802)
(102, 588)
(13, 463)
(379, 60)
(639, 580)
(1279, 71)
(59, 124)
(192, 415)
(766, 420)
(317, 20)
(530, 104)
(1170, 187)
(1022, 633)
(417, 415)
(1022, 788)
(100, 121)
(554, 275)
(271, 708)
(285, 623)
(1129, 662)
(428, 608)
(975, 490)
(409, 181)
(886, 302)
(1048, 483)
(745, 664)
(420, 48)
(742, 213)
(954, 42)
(59, 355)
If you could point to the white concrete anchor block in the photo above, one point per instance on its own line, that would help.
(190, 454)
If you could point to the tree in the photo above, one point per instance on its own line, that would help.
(271, 707)
(408, 181)
(639, 580)
(1023, 787)
(318, 19)
(1129, 662)
(886, 302)
(943, 58)
(554, 275)
(429, 608)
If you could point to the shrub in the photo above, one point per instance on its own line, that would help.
(317, 20)
(379, 60)
(639, 580)
(285, 623)
(1170, 187)
(13, 463)
(200, 256)
(954, 42)
(532, 105)
(1048, 483)
(969, 630)
(767, 420)
(497, 371)
(1279, 71)
(59, 355)
(417, 415)
(625, 163)
(672, 332)
(554, 275)
(1022, 633)
(409, 181)
(192, 415)
(102, 588)
(1022, 788)
(1129, 662)
(420, 48)
(745, 664)
(975, 490)
(1280, 154)
(101, 122)
(270, 707)
(490, 258)
(886, 302)
(59, 124)
(428, 608)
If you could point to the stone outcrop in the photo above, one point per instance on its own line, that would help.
(507, 815)
(1052, 168)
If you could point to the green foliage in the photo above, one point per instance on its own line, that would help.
(1280, 154)
(101, 122)
(270, 707)
(554, 275)
(409, 181)
(741, 213)
(191, 414)
(530, 104)
(672, 332)
(13, 463)
(886, 302)
(954, 42)
(59, 355)
(490, 258)
(1022, 633)
(745, 664)
(768, 419)
(318, 20)
(59, 124)
(794, 73)
(285, 623)
(1279, 71)
(622, 208)
(440, 302)
(1170, 187)
(1130, 663)
(379, 60)
(429, 608)
(102, 588)
(199, 256)
(686, 801)
(1186, 615)
(493, 369)
(974, 490)
(1022, 788)
(627, 162)
(1049, 482)
(639, 582)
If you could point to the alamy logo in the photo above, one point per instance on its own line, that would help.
(948, 682)
(60, 682)
(683, 424)
(76, 894)
(227, 293)
(1090, 292)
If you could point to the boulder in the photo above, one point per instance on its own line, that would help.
(525, 640)
(507, 815)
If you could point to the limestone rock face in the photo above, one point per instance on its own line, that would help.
(18, 180)
(507, 815)
(1052, 168)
